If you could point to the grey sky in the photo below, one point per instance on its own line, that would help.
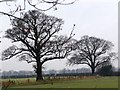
(97, 18)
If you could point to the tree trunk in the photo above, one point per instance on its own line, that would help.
(92, 66)
(39, 71)
(93, 70)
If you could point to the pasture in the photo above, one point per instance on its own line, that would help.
(73, 82)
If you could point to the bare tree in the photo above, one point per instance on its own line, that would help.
(40, 43)
(93, 52)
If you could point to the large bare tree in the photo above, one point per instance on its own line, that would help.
(93, 52)
(35, 40)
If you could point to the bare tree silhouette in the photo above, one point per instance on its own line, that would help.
(93, 52)
(39, 40)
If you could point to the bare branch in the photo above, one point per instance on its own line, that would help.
(10, 52)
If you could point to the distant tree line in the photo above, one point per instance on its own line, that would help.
(104, 71)
(48, 72)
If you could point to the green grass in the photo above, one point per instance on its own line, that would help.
(101, 82)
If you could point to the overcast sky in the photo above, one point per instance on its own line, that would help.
(97, 18)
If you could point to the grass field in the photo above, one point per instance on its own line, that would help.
(99, 82)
